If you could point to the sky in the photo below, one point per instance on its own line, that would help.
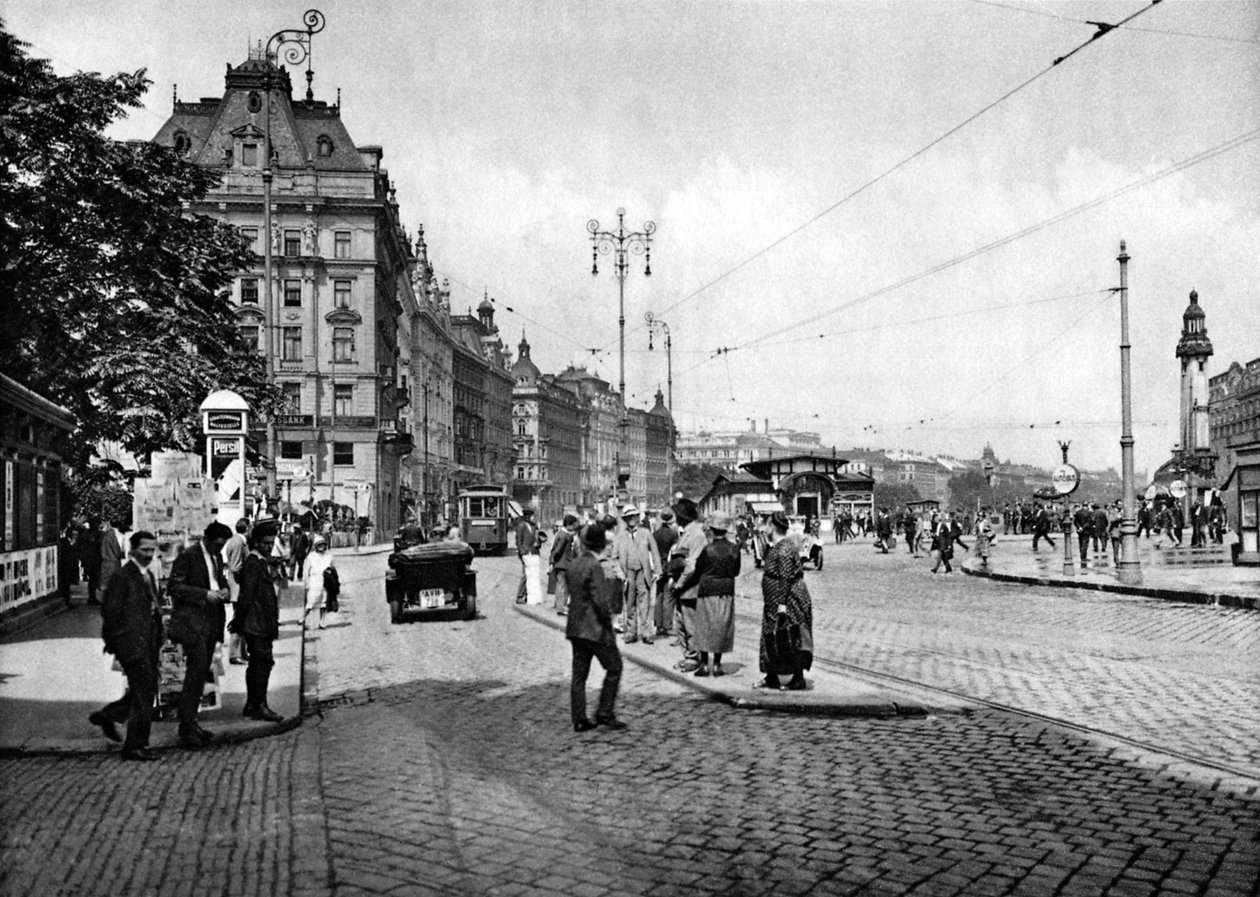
(894, 224)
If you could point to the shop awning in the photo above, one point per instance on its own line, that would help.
(764, 507)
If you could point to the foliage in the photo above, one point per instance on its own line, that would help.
(108, 501)
(695, 480)
(115, 295)
(895, 495)
(970, 486)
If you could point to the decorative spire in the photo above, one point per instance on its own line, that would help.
(523, 347)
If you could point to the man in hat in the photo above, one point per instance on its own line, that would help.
(636, 552)
(665, 536)
(526, 548)
(589, 629)
(683, 558)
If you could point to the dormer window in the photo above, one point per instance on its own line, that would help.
(249, 155)
(182, 143)
(324, 146)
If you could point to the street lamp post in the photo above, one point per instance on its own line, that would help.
(1129, 568)
(653, 323)
(620, 243)
(296, 45)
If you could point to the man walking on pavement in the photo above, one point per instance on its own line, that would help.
(299, 548)
(131, 626)
(257, 618)
(199, 592)
(233, 559)
(1041, 526)
(563, 550)
(636, 552)
(589, 630)
(526, 548)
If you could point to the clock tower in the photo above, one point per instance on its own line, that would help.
(1194, 348)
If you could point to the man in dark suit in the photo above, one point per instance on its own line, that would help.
(198, 589)
(257, 619)
(113, 550)
(589, 630)
(132, 629)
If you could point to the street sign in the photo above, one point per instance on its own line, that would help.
(1177, 488)
(291, 469)
(1065, 479)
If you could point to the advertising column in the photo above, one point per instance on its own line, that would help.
(224, 418)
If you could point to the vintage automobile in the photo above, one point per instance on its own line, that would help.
(432, 578)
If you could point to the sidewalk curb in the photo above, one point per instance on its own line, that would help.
(807, 704)
(1218, 599)
(81, 747)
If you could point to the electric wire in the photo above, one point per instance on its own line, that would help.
(901, 164)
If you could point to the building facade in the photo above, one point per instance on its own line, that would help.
(341, 271)
(482, 402)
(547, 422)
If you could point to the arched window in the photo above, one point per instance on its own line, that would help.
(182, 143)
(324, 145)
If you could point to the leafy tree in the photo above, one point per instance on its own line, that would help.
(695, 480)
(970, 486)
(114, 295)
(895, 495)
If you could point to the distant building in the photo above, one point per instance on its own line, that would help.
(1234, 431)
(547, 421)
(483, 401)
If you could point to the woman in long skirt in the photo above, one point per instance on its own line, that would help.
(715, 572)
(787, 620)
(319, 560)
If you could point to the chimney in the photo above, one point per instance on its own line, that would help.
(767, 423)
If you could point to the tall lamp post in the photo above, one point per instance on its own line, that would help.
(296, 46)
(654, 323)
(621, 243)
(1129, 568)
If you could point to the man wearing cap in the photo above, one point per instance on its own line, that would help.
(683, 558)
(665, 536)
(526, 548)
(636, 552)
(589, 630)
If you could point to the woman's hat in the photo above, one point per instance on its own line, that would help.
(320, 540)
(685, 510)
(594, 537)
(780, 521)
(719, 522)
(629, 511)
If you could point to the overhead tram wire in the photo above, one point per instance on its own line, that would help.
(908, 159)
(1145, 181)
(1067, 20)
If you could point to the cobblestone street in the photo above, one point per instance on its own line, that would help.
(441, 762)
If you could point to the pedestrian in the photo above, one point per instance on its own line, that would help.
(691, 541)
(589, 629)
(665, 535)
(199, 594)
(1083, 520)
(114, 549)
(299, 547)
(89, 550)
(564, 549)
(637, 555)
(1100, 532)
(910, 527)
(234, 553)
(131, 626)
(787, 620)
(314, 575)
(1144, 519)
(984, 537)
(943, 543)
(67, 561)
(257, 620)
(714, 580)
(527, 551)
(1114, 519)
(883, 530)
(1041, 526)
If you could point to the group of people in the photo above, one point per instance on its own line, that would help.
(222, 569)
(615, 576)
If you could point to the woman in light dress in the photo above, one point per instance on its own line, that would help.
(319, 560)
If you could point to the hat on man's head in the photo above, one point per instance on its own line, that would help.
(527, 511)
(667, 516)
(780, 521)
(719, 522)
(629, 511)
(685, 510)
(594, 537)
(569, 520)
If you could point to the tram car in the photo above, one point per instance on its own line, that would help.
(483, 518)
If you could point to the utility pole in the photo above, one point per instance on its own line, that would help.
(620, 243)
(1129, 569)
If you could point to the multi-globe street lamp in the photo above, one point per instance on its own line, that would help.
(296, 46)
(621, 243)
(654, 323)
(1129, 568)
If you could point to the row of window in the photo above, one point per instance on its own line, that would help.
(291, 242)
(343, 452)
(343, 398)
(291, 342)
(291, 293)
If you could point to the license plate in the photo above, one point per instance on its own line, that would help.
(432, 598)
